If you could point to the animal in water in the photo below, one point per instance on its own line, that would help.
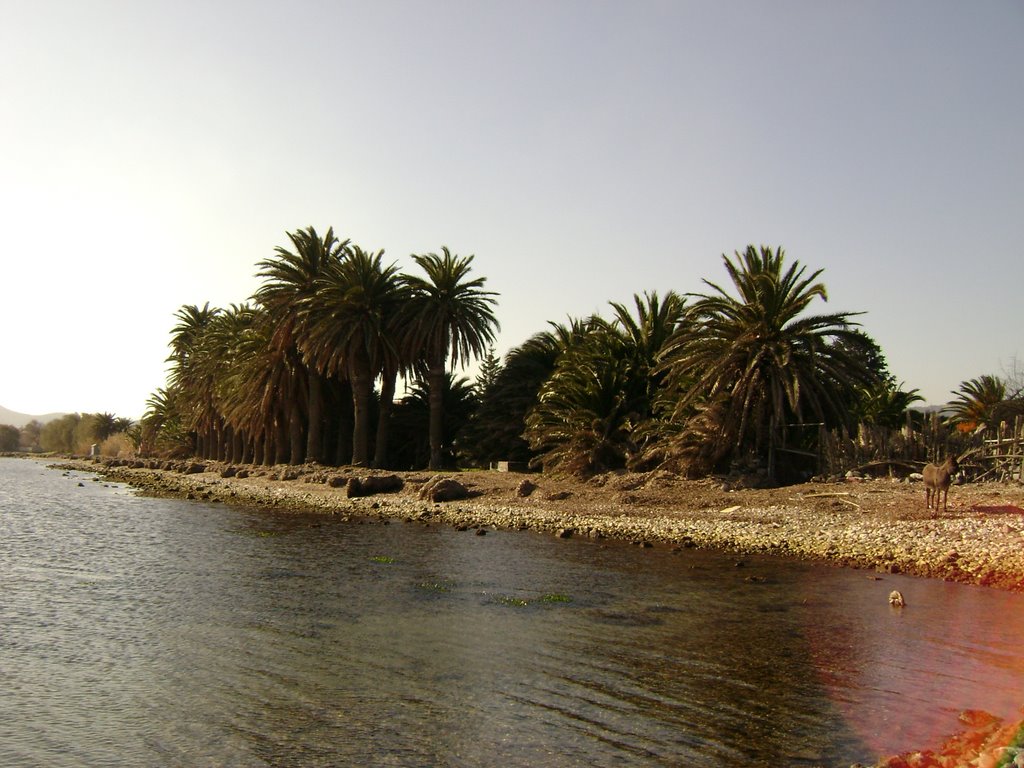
(937, 478)
(896, 599)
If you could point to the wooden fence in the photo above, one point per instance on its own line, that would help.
(1000, 456)
(986, 454)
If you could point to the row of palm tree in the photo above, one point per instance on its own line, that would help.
(694, 383)
(270, 379)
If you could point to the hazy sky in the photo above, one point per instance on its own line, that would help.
(153, 152)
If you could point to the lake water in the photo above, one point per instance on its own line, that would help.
(156, 632)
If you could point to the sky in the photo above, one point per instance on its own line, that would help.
(583, 151)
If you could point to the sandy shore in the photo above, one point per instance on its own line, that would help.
(875, 524)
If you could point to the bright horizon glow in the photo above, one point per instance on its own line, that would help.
(583, 151)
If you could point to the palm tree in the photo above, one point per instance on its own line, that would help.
(260, 372)
(231, 341)
(289, 280)
(976, 402)
(103, 426)
(163, 431)
(352, 331)
(122, 424)
(886, 404)
(591, 410)
(193, 371)
(412, 420)
(499, 423)
(748, 363)
(448, 317)
(584, 417)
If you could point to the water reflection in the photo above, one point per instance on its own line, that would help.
(145, 631)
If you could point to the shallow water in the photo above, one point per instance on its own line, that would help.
(138, 631)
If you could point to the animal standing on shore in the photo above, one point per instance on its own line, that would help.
(937, 478)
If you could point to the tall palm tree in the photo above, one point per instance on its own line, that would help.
(352, 331)
(449, 317)
(749, 362)
(260, 372)
(289, 281)
(231, 340)
(193, 373)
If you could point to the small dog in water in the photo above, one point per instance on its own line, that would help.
(937, 478)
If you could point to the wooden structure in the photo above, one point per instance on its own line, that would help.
(1001, 453)
(985, 454)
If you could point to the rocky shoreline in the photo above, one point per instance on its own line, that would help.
(875, 524)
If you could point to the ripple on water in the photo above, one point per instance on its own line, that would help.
(163, 632)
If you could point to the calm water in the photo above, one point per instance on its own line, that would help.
(148, 632)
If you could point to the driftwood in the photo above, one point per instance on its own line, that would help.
(833, 495)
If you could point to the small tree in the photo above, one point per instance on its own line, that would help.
(58, 436)
(9, 437)
(30, 435)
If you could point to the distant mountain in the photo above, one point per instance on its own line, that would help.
(19, 420)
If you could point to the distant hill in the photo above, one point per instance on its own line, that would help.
(19, 420)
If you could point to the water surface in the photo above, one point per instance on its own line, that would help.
(137, 631)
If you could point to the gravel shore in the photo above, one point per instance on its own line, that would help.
(875, 524)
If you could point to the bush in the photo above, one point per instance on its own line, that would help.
(118, 446)
(9, 437)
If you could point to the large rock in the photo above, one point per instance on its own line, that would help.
(439, 489)
(525, 489)
(371, 484)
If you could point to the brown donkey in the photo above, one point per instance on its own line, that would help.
(936, 482)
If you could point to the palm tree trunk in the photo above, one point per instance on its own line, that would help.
(223, 449)
(297, 446)
(280, 453)
(314, 438)
(387, 401)
(435, 379)
(362, 390)
(343, 447)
